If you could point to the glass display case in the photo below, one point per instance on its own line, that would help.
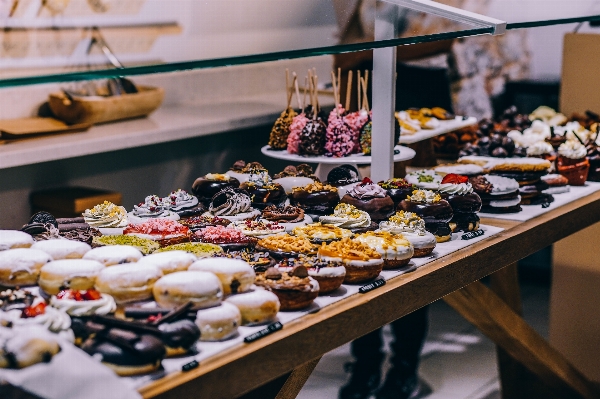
(210, 78)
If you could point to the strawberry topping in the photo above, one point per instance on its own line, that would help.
(453, 178)
(33, 311)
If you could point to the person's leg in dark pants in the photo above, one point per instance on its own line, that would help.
(409, 335)
(366, 369)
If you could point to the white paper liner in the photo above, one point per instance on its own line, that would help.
(208, 349)
(532, 211)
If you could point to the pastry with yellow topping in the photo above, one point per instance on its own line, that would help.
(395, 250)
(284, 245)
(106, 215)
(362, 262)
(349, 217)
(318, 232)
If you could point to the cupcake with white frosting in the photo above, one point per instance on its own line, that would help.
(153, 207)
(572, 162)
(394, 249)
(232, 204)
(349, 217)
(82, 303)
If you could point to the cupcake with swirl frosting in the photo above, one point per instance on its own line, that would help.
(183, 203)
(349, 217)
(412, 228)
(106, 215)
(81, 303)
(153, 207)
(465, 203)
(572, 162)
(232, 204)
(371, 198)
(38, 314)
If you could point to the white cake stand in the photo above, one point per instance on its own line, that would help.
(328, 163)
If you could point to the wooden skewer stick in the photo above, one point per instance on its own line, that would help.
(348, 91)
(300, 105)
(305, 90)
(315, 86)
(339, 82)
(312, 94)
(335, 94)
(287, 86)
(359, 90)
(365, 96)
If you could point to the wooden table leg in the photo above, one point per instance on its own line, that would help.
(296, 380)
(492, 316)
(287, 386)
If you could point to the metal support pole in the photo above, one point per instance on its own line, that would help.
(384, 97)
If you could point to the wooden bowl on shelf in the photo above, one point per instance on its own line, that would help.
(98, 109)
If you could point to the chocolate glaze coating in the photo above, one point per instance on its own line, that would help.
(342, 175)
(195, 211)
(469, 203)
(399, 194)
(521, 176)
(378, 208)
(205, 189)
(263, 197)
(533, 190)
(465, 221)
(506, 209)
(537, 200)
(319, 203)
(179, 334)
(44, 218)
(312, 138)
(439, 229)
(438, 212)
(485, 199)
(124, 350)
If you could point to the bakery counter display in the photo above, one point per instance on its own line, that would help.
(151, 296)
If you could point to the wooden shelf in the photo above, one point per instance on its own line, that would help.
(235, 372)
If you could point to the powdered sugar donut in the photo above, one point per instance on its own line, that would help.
(21, 266)
(256, 307)
(218, 323)
(77, 274)
(235, 274)
(169, 262)
(14, 239)
(114, 254)
(128, 283)
(62, 248)
(203, 289)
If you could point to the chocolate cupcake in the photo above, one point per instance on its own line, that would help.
(207, 186)
(263, 191)
(398, 189)
(465, 203)
(315, 199)
(435, 211)
(371, 198)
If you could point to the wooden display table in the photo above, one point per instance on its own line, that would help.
(301, 343)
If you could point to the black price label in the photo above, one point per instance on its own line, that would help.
(189, 366)
(263, 333)
(472, 234)
(546, 205)
(370, 287)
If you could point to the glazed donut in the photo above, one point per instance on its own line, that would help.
(77, 274)
(169, 262)
(128, 283)
(143, 354)
(218, 323)
(256, 307)
(114, 254)
(203, 289)
(14, 239)
(235, 274)
(24, 347)
(62, 248)
(21, 266)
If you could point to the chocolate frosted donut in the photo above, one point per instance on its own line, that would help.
(207, 186)
(343, 175)
(469, 203)
(397, 189)
(266, 195)
(432, 213)
(315, 199)
(530, 191)
(378, 208)
(371, 198)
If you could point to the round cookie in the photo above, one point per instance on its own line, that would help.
(203, 289)
(62, 249)
(218, 323)
(10, 239)
(77, 274)
(256, 307)
(114, 254)
(21, 266)
(235, 274)
(170, 261)
(128, 283)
